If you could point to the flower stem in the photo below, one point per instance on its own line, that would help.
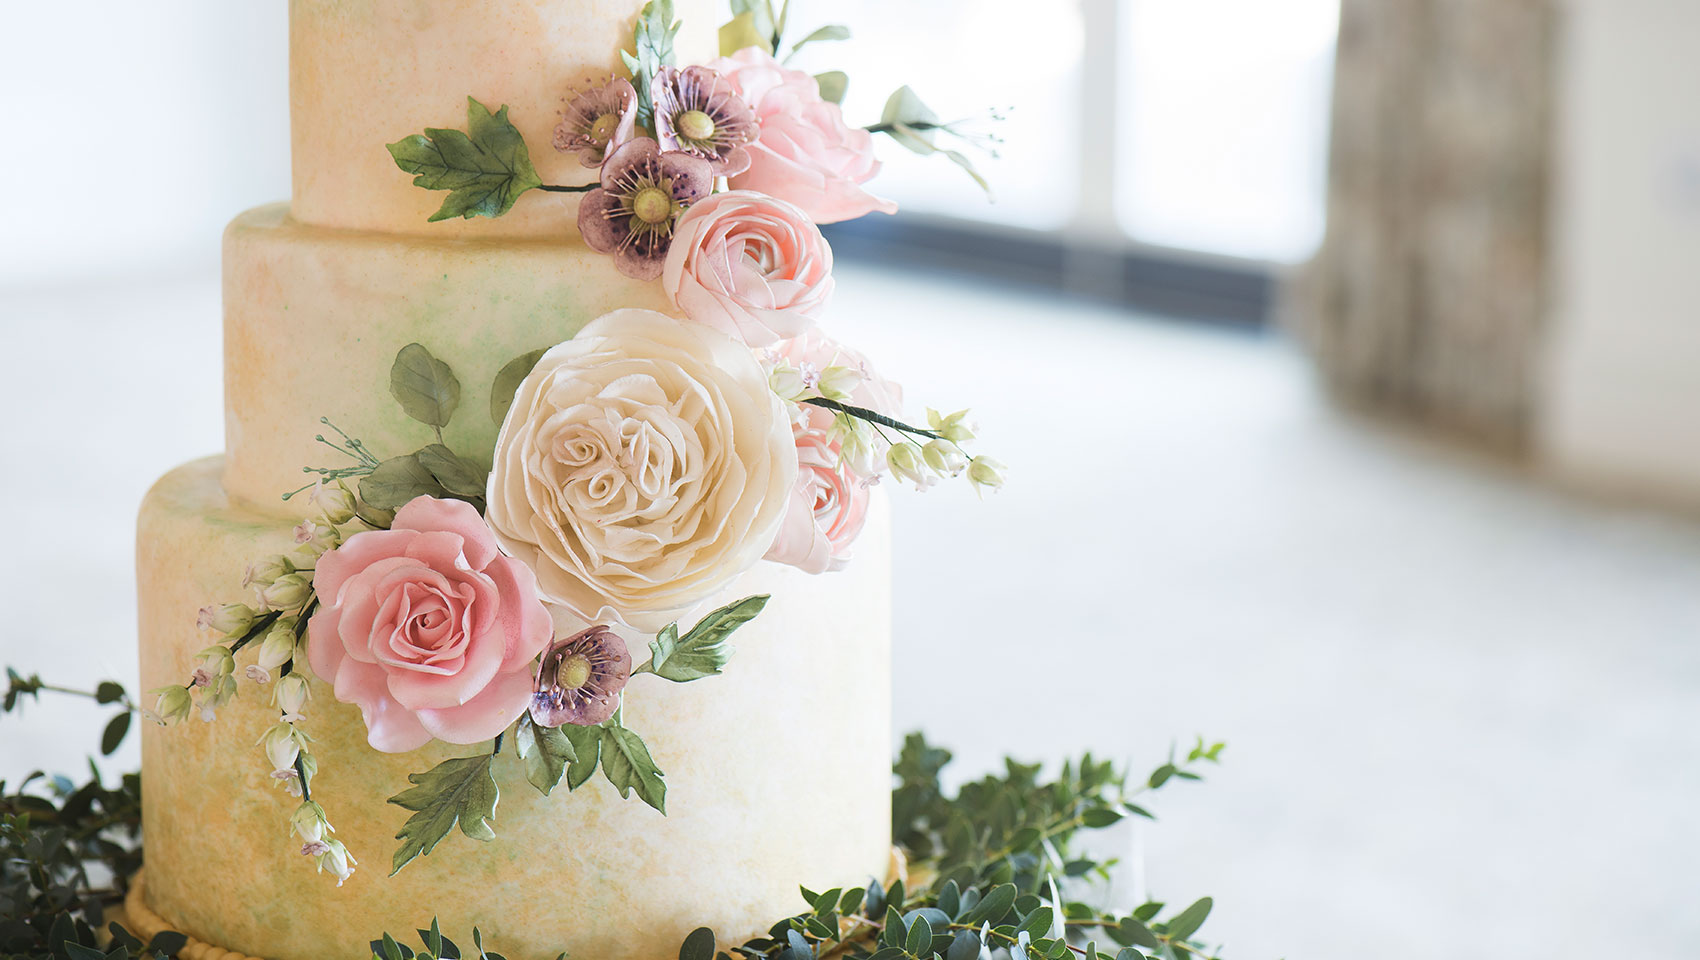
(554, 188)
(301, 774)
(872, 416)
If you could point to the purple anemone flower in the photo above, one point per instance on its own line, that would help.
(598, 121)
(699, 112)
(642, 194)
(580, 679)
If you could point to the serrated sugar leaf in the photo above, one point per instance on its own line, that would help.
(454, 791)
(702, 652)
(628, 766)
(485, 170)
(424, 386)
(546, 751)
(507, 382)
(587, 746)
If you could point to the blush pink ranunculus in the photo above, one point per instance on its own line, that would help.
(805, 152)
(829, 502)
(752, 266)
(428, 628)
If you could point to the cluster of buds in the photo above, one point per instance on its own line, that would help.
(277, 648)
(938, 453)
(278, 583)
(309, 823)
(795, 383)
(214, 681)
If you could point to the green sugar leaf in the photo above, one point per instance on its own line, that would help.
(763, 25)
(108, 692)
(546, 751)
(507, 382)
(398, 480)
(652, 49)
(835, 31)
(454, 791)
(833, 84)
(458, 475)
(424, 386)
(485, 170)
(702, 652)
(587, 747)
(627, 765)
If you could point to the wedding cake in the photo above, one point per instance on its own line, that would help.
(504, 515)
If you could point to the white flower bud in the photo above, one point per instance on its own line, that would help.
(956, 428)
(944, 456)
(985, 473)
(836, 383)
(286, 592)
(336, 860)
(309, 823)
(290, 695)
(266, 569)
(220, 692)
(282, 743)
(856, 446)
(906, 463)
(278, 647)
(229, 619)
(172, 703)
(787, 381)
(335, 501)
(217, 661)
(315, 538)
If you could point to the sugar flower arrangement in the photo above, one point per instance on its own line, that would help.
(639, 469)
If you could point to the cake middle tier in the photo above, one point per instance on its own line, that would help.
(314, 317)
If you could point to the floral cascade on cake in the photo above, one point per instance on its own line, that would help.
(639, 468)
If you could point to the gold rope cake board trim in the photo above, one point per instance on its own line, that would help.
(145, 924)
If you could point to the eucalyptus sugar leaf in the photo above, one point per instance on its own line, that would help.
(113, 736)
(424, 386)
(905, 106)
(507, 383)
(835, 31)
(484, 169)
(398, 480)
(108, 692)
(1187, 922)
(698, 946)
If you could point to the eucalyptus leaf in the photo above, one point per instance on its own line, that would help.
(398, 480)
(424, 386)
(484, 170)
(698, 946)
(628, 766)
(458, 475)
(920, 940)
(993, 905)
(835, 31)
(546, 751)
(454, 791)
(833, 84)
(507, 382)
(1187, 922)
(702, 652)
(113, 735)
(762, 20)
(108, 692)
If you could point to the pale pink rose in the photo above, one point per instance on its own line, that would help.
(754, 267)
(428, 628)
(805, 152)
(829, 503)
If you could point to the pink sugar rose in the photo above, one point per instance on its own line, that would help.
(805, 152)
(829, 502)
(754, 267)
(428, 628)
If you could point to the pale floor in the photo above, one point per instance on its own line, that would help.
(1463, 711)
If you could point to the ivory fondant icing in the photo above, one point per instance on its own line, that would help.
(778, 775)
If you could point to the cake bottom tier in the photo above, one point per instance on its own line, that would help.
(777, 775)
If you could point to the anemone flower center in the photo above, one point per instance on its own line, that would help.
(574, 671)
(652, 205)
(602, 128)
(695, 125)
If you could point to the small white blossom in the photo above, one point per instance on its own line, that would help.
(985, 473)
(172, 703)
(286, 592)
(309, 823)
(227, 619)
(335, 501)
(944, 457)
(278, 647)
(837, 383)
(906, 463)
(289, 695)
(263, 571)
(787, 382)
(282, 743)
(956, 428)
(336, 860)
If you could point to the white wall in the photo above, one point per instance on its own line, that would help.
(134, 131)
(1622, 409)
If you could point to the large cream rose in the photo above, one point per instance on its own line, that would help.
(644, 464)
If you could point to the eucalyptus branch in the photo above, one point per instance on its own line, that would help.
(871, 416)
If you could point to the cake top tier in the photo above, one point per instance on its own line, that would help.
(363, 73)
